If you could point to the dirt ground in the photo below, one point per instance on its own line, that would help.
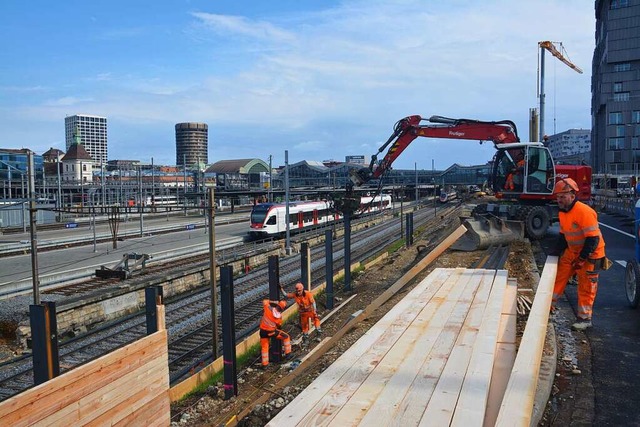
(210, 408)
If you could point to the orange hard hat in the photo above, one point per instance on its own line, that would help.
(565, 185)
(282, 304)
(299, 286)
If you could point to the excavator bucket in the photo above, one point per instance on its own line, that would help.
(483, 231)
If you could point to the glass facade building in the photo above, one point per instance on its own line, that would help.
(615, 88)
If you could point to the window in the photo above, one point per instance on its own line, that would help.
(635, 116)
(617, 87)
(622, 96)
(615, 118)
(617, 4)
(616, 144)
(635, 144)
(620, 130)
(618, 68)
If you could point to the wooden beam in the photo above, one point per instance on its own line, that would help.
(517, 405)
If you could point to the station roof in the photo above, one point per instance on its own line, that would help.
(238, 166)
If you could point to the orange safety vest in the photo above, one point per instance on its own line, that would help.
(578, 224)
(305, 301)
(271, 318)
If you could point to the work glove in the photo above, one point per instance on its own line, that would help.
(578, 263)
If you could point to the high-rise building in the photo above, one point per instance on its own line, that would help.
(192, 145)
(92, 135)
(571, 147)
(615, 88)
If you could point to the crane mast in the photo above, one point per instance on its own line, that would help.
(551, 47)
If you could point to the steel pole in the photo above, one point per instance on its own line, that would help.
(34, 238)
(286, 196)
(212, 271)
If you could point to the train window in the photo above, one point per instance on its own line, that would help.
(293, 218)
(308, 216)
(271, 220)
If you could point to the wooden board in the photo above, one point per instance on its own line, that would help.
(517, 405)
(112, 388)
(429, 359)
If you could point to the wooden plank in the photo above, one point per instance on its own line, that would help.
(122, 406)
(517, 405)
(131, 387)
(406, 408)
(155, 413)
(52, 396)
(398, 371)
(502, 366)
(471, 405)
(369, 351)
(505, 353)
(329, 391)
(442, 404)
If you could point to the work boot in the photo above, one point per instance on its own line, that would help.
(305, 338)
(319, 331)
(581, 325)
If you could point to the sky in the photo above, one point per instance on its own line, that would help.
(319, 80)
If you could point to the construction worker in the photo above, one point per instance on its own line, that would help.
(514, 175)
(270, 328)
(581, 249)
(306, 309)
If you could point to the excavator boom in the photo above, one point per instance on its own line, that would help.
(410, 128)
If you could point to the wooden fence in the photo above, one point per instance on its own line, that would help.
(128, 387)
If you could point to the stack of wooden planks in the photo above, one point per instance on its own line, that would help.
(441, 356)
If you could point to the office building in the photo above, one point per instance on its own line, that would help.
(192, 145)
(615, 88)
(92, 135)
(571, 147)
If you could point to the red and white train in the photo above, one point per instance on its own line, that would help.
(268, 219)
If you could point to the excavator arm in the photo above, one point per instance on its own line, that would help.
(409, 128)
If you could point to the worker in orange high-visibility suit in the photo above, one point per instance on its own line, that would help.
(515, 174)
(581, 249)
(270, 328)
(306, 309)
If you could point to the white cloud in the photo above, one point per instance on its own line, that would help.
(334, 82)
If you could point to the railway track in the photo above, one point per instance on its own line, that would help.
(188, 317)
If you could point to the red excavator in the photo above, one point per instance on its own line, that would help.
(523, 174)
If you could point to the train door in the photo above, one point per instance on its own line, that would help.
(315, 217)
(300, 219)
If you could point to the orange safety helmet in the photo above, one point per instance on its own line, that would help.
(282, 304)
(566, 185)
(299, 286)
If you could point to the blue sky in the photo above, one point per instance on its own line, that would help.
(321, 79)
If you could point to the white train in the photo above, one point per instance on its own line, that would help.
(268, 219)
(447, 196)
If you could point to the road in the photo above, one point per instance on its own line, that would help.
(615, 336)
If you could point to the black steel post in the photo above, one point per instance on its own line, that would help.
(407, 231)
(275, 346)
(228, 333)
(305, 265)
(152, 296)
(347, 251)
(328, 267)
(44, 342)
(411, 227)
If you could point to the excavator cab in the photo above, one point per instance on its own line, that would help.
(522, 168)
